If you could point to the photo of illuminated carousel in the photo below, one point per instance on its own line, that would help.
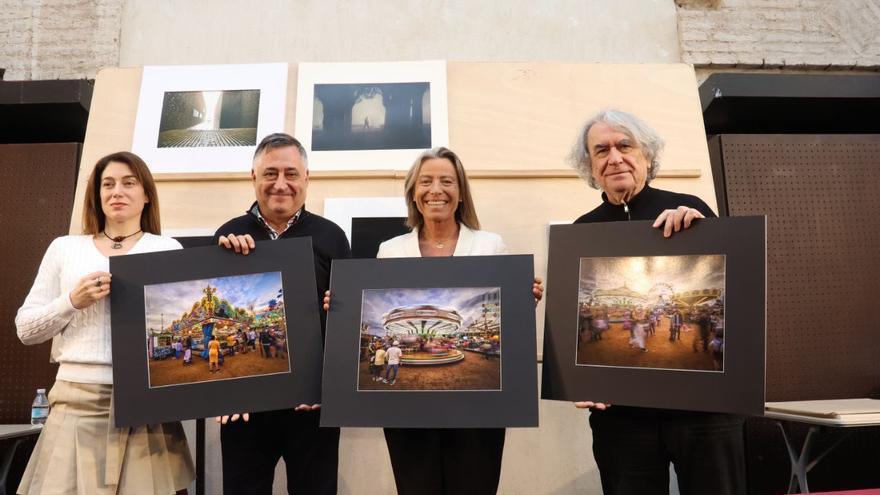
(416, 327)
(430, 339)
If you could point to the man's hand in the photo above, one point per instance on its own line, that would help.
(327, 301)
(674, 220)
(588, 404)
(239, 243)
(537, 289)
(224, 419)
(306, 407)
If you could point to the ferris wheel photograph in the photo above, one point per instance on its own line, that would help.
(663, 312)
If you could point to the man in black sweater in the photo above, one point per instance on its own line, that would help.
(251, 448)
(633, 446)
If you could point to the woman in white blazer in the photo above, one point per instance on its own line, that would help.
(444, 223)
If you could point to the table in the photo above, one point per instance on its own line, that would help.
(17, 433)
(819, 414)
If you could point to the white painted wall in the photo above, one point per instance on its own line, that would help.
(236, 31)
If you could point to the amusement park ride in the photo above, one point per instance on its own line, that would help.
(208, 314)
(660, 294)
(429, 334)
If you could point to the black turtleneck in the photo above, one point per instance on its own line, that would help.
(646, 205)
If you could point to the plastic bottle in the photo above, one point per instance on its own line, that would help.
(40, 408)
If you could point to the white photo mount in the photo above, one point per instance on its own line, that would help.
(269, 79)
(311, 74)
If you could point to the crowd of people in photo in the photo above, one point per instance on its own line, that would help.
(615, 151)
(705, 322)
(384, 354)
(269, 341)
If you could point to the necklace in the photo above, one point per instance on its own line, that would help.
(439, 244)
(117, 241)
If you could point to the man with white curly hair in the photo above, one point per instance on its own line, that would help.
(617, 153)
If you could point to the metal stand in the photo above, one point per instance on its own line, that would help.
(800, 462)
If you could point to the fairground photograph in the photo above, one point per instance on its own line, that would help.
(382, 116)
(430, 339)
(193, 119)
(216, 329)
(663, 312)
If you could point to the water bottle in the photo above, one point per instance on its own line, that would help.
(40, 408)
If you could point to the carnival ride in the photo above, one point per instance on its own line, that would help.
(208, 315)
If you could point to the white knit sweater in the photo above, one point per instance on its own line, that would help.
(81, 338)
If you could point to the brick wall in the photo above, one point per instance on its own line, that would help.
(809, 34)
(58, 39)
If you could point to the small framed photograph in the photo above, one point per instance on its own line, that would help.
(431, 342)
(207, 118)
(636, 319)
(370, 115)
(203, 332)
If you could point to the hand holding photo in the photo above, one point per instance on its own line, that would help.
(637, 319)
(424, 343)
(201, 332)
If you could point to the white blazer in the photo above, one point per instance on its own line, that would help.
(470, 243)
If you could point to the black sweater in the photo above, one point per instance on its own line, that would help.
(328, 242)
(646, 205)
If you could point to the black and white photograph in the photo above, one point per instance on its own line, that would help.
(370, 115)
(209, 118)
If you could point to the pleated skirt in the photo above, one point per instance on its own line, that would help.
(80, 451)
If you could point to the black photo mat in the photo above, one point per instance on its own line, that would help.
(135, 403)
(514, 405)
(367, 233)
(737, 388)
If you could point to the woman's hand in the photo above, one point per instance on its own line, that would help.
(674, 220)
(588, 404)
(326, 301)
(234, 417)
(90, 289)
(537, 289)
(239, 243)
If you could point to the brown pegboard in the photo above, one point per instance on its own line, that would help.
(36, 186)
(821, 195)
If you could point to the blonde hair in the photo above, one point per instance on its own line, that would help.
(465, 214)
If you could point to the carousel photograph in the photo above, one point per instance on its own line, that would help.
(430, 339)
(663, 312)
(215, 329)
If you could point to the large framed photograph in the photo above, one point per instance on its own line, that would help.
(370, 115)
(203, 332)
(207, 118)
(636, 319)
(431, 342)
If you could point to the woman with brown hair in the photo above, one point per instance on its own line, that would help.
(80, 450)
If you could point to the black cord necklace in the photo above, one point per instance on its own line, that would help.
(117, 241)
